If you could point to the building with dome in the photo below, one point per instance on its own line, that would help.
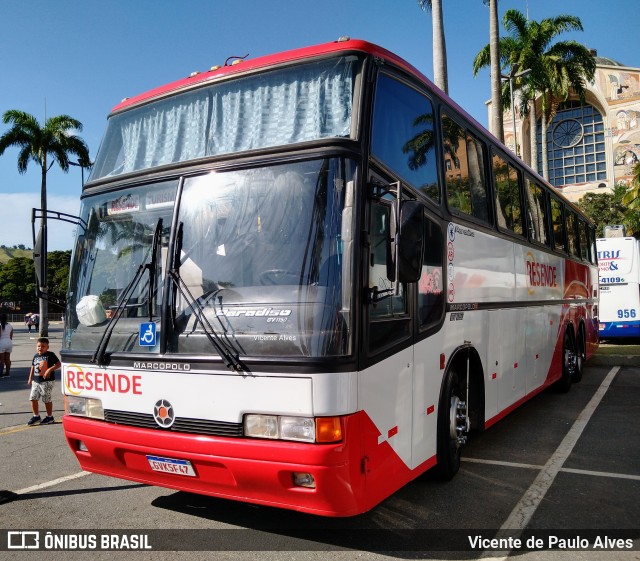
(590, 147)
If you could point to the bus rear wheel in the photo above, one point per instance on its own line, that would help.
(569, 363)
(581, 356)
(453, 427)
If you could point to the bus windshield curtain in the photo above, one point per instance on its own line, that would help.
(281, 107)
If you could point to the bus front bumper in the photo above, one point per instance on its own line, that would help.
(242, 469)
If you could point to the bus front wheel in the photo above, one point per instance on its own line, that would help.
(453, 427)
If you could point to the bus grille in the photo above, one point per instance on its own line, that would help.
(190, 426)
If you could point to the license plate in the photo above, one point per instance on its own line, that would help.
(169, 465)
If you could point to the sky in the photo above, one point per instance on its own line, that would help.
(82, 57)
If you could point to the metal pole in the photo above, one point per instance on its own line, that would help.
(513, 115)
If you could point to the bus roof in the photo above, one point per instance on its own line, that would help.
(241, 66)
(342, 45)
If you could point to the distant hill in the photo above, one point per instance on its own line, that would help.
(7, 253)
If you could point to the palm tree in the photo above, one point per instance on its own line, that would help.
(554, 68)
(56, 140)
(440, 77)
(497, 126)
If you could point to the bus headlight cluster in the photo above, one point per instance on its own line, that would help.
(302, 429)
(85, 407)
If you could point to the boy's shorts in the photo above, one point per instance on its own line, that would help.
(41, 390)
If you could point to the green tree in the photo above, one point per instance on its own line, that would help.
(632, 196)
(440, 74)
(53, 142)
(17, 282)
(58, 273)
(555, 68)
(609, 208)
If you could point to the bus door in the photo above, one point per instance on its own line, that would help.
(385, 385)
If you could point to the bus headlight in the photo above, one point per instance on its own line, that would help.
(302, 429)
(298, 428)
(85, 407)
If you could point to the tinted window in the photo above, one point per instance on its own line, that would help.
(466, 181)
(557, 221)
(403, 137)
(430, 285)
(508, 206)
(572, 236)
(584, 243)
(536, 212)
(389, 321)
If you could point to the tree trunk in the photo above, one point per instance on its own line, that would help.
(44, 304)
(439, 47)
(497, 125)
(533, 130)
(543, 131)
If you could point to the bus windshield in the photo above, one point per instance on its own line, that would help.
(107, 265)
(261, 257)
(283, 106)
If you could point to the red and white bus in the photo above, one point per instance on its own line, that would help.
(305, 278)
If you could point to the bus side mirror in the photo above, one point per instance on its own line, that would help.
(406, 244)
(411, 243)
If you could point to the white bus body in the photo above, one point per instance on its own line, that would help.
(619, 272)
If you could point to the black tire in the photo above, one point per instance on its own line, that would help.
(581, 356)
(448, 445)
(563, 385)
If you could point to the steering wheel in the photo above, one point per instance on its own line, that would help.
(278, 276)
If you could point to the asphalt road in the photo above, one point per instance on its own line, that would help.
(561, 467)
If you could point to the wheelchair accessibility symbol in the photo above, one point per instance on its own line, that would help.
(147, 335)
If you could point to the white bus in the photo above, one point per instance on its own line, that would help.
(619, 271)
(305, 278)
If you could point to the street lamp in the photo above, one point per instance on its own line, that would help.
(514, 74)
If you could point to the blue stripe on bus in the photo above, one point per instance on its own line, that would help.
(610, 329)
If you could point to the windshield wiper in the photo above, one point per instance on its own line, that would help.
(98, 356)
(226, 351)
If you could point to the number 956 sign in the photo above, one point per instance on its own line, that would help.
(626, 314)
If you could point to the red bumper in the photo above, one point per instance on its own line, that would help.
(250, 470)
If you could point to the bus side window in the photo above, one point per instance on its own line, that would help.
(536, 212)
(388, 313)
(572, 236)
(403, 136)
(557, 221)
(466, 184)
(507, 187)
(430, 285)
(592, 244)
(584, 244)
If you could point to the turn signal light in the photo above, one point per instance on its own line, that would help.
(328, 429)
